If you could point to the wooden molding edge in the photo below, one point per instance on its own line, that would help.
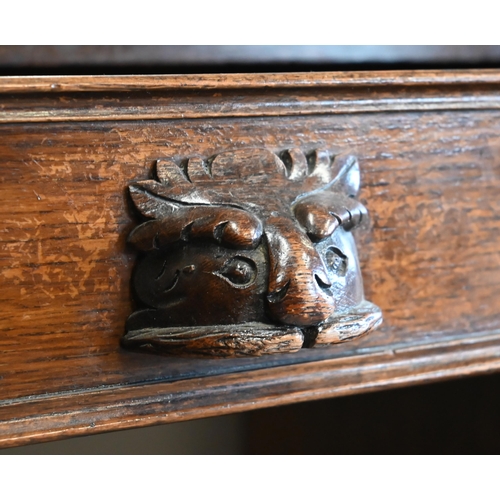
(347, 79)
(99, 98)
(80, 413)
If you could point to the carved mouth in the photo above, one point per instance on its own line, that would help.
(255, 339)
(247, 339)
(344, 327)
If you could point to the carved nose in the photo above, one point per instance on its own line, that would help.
(299, 289)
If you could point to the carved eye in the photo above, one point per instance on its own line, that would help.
(336, 261)
(239, 271)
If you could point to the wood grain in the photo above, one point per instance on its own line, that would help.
(430, 254)
(62, 99)
(270, 81)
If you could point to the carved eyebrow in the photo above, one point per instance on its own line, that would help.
(321, 214)
(228, 226)
(183, 209)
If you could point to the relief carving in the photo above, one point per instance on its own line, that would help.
(248, 253)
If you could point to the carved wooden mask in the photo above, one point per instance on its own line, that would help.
(249, 253)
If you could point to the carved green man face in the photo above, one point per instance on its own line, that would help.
(249, 253)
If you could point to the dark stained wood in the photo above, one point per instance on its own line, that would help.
(252, 240)
(88, 412)
(429, 254)
(224, 341)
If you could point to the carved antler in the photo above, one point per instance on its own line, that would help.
(201, 200)
(231, 179)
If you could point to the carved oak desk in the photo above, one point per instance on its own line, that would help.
(96, 170)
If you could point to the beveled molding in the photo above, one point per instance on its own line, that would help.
(62, 415)
(347, 79)
(248, 253)
(174, 97)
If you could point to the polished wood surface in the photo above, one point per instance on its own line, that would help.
(430, 149)
(102, 98)
(248, 252)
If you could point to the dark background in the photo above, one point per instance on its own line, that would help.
(170, 59)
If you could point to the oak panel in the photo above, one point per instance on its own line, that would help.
(429, 255)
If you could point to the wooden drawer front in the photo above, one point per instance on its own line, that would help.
(429, 150)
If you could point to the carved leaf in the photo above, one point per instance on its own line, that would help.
(170, 173)
(146, 202)
(296, 164)
(232, 178)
